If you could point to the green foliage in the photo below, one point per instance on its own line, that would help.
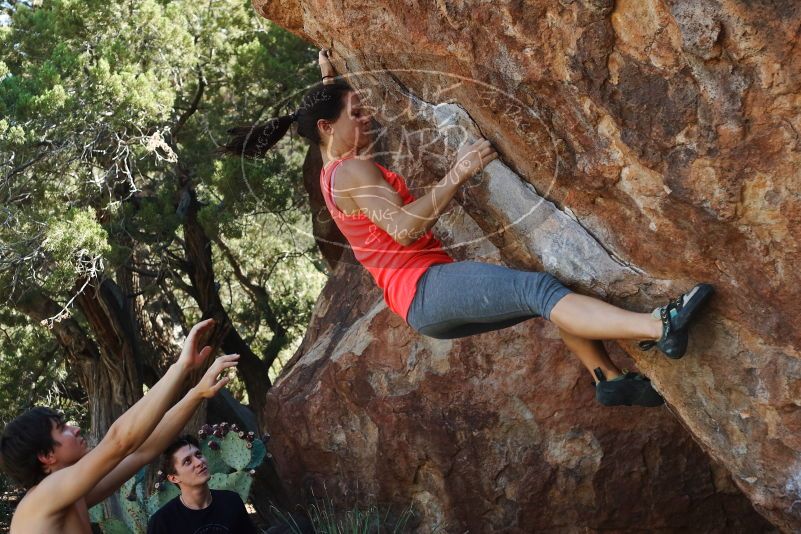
(32, 370)
(107, 109)
(77, 244)
(91, 92)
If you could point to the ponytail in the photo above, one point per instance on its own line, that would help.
(254, 141)
(324, 101)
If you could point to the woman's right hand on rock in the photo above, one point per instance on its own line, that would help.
(473, 157)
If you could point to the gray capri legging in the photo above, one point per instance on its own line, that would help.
(465, 298)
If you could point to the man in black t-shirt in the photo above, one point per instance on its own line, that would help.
(199, 509)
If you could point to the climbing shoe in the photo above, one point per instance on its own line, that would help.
(628, 389)
(675, 317)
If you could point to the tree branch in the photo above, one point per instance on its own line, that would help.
(253, 369)
(201, 86)
(262, 298)
(20, 168)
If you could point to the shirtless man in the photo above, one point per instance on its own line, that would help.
(64, 478)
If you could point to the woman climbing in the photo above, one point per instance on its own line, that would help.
(390, 234)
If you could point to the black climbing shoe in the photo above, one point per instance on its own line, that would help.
(629, 389)
(676, 316)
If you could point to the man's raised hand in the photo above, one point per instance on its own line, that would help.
(209, 385)
(190, 357)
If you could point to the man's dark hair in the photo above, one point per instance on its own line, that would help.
(23, 439)
(167, 460)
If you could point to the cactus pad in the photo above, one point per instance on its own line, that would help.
(234, 451)
(214, 458)
(239, 482)
(257, 454)
(134, 515)
(96, 513)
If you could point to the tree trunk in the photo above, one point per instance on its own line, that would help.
(116, 383)
(252, 369)
(154, 346)
(267, 487)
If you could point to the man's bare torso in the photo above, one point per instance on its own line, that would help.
(71, 520)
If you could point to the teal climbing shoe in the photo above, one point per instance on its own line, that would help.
(628, 389)
(676, 316)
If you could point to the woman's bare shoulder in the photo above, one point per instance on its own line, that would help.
(359, 172)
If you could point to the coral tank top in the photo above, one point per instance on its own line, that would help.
(396, 268)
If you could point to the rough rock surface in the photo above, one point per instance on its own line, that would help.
(645, 145)
(493, 433)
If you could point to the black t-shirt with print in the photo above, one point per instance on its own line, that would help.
(225, 515)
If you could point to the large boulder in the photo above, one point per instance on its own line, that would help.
(645, 145)
(493, 433)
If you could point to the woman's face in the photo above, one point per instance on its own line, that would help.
(352, 129)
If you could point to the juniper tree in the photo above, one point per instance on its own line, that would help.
(119, 226)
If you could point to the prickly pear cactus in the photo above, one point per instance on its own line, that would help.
(109, 526)
(135, 514)
(235, 454)
(232, 456)
(238, 481)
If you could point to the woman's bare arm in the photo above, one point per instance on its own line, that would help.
(361, 188)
